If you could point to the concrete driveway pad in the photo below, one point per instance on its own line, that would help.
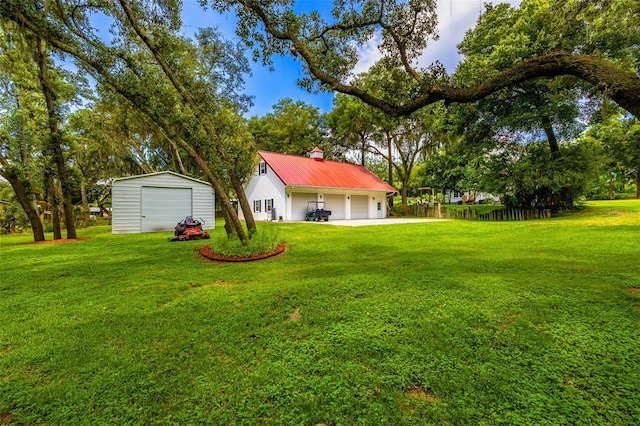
(372, 222)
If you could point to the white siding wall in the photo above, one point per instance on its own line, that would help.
(269, 186)
(265, 187)
(126, 204)
(126, 196)
(204, 204)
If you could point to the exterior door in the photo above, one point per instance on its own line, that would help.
(337, 204)
(380, 209)
(359, 207)
(299, 202)
(162, 208)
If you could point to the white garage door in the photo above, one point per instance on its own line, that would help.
(299, 202)
(162, 208)
(359, 207)
(337, 204)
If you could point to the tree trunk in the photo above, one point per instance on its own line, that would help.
(612, 194)
(53, 205)
(85, 201)
(220, 191)
(244, 203)
(55, 137)
(551, 136)
(405, 184)
(390, 165)
(22, 194)
(228, 224)
(403, 191)
(176, 154)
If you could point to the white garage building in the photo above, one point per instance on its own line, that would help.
(286, 183)
(158, 201)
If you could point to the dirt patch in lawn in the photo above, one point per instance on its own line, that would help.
(217, 283)
(507, 320)
(6, 418)
(295, 316)
(634, 290)
(417, 397)
(206, 251)
(6, 350)
(421, 394)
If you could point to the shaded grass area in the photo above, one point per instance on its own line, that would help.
(453, 322)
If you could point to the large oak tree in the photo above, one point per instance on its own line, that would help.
(328, 47)
(191, 93)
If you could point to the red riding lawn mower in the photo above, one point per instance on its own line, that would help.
(190, 229)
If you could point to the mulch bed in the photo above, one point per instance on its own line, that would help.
(64, 240)
(206, 251)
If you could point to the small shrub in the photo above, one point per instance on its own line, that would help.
(264, 241)
(399, 210)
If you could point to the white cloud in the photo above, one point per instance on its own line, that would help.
(454, 18)
(368, 54)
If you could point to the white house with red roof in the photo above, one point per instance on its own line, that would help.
(284, 184)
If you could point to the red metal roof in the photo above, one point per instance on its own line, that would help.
(303, 171)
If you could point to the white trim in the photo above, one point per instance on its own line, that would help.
(161, 173)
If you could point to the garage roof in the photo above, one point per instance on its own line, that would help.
(316, 172)
(166, 172)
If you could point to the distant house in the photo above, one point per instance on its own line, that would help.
(456, 197)
(449, 196)
(158, 201)
(284, 184)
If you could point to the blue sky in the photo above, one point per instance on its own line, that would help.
(267, 87)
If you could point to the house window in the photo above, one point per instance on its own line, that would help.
(379, 206)
(268, 205)
(257, 206)
(262, 168)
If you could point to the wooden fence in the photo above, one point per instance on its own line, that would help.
(444, 212)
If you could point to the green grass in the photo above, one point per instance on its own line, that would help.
(452, 322)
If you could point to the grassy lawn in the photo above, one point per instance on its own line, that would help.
(452, 322)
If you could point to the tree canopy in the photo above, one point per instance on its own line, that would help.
(190, 90)
(328, 47)
(292, 127)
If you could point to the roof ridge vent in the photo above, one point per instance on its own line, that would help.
(316, 154)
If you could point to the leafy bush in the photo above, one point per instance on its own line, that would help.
(399, 210)
(534, 177)
(13, 219)
(264, 241)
